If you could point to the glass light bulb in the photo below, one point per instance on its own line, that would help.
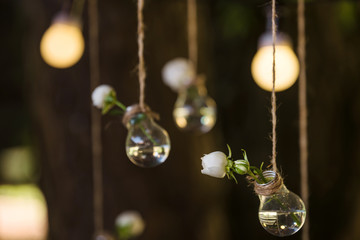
(286, 63)
(194, 110)
(286, 68)
(283, 213)
(62, 45)
(147, 144)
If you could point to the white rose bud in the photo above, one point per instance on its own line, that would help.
(214, 164)
(99, 94)
(178, 73)
(241, 166)
(130, 224)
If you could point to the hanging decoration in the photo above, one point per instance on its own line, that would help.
(287, 64)
(194, 110)
(147, 144)
(281, 212)
(62, 44)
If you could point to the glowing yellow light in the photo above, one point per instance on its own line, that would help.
(62, 45)
(23, 213)
(286, 67)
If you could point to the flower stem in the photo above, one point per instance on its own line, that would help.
(293, 216)
(262, 177)
(119, 104)
(253, 176)
(147, 135)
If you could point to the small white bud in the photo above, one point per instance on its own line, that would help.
(132, 222)
(178, 73)
(241, 166)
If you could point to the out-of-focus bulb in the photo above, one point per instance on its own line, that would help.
(147, 144)
(194, 110)
(286, 63)
(282, 213)
(62, 45)
(178, 73)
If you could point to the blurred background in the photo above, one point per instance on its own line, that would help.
(45, 147)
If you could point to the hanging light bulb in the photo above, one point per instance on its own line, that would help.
(287, 64)
(282, 213)
(194, 110)
(62, 45)
(147, 144)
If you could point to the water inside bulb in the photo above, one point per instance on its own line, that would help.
(194, 110)
(147, 144)
(283, 213)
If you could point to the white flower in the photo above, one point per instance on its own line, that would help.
(132, 222)
(177, 73)
(99, 94)
(214, 164)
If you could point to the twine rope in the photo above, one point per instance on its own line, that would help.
(303, 112)
(95, 116)
(269, 188)
(192, 33)
(273, 95)
(141, 67)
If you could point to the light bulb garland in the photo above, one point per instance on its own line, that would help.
(62, 44)
(147, 144)
(281, 212)
(194, 110)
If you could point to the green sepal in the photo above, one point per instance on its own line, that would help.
(107, 107)
(230, 153)
(244, 154)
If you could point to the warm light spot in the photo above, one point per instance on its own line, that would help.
(23, 213)
(286, 67)
(62, 45)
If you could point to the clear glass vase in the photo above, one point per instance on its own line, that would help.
(194, 110)
(283, 212)
(147, 144)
